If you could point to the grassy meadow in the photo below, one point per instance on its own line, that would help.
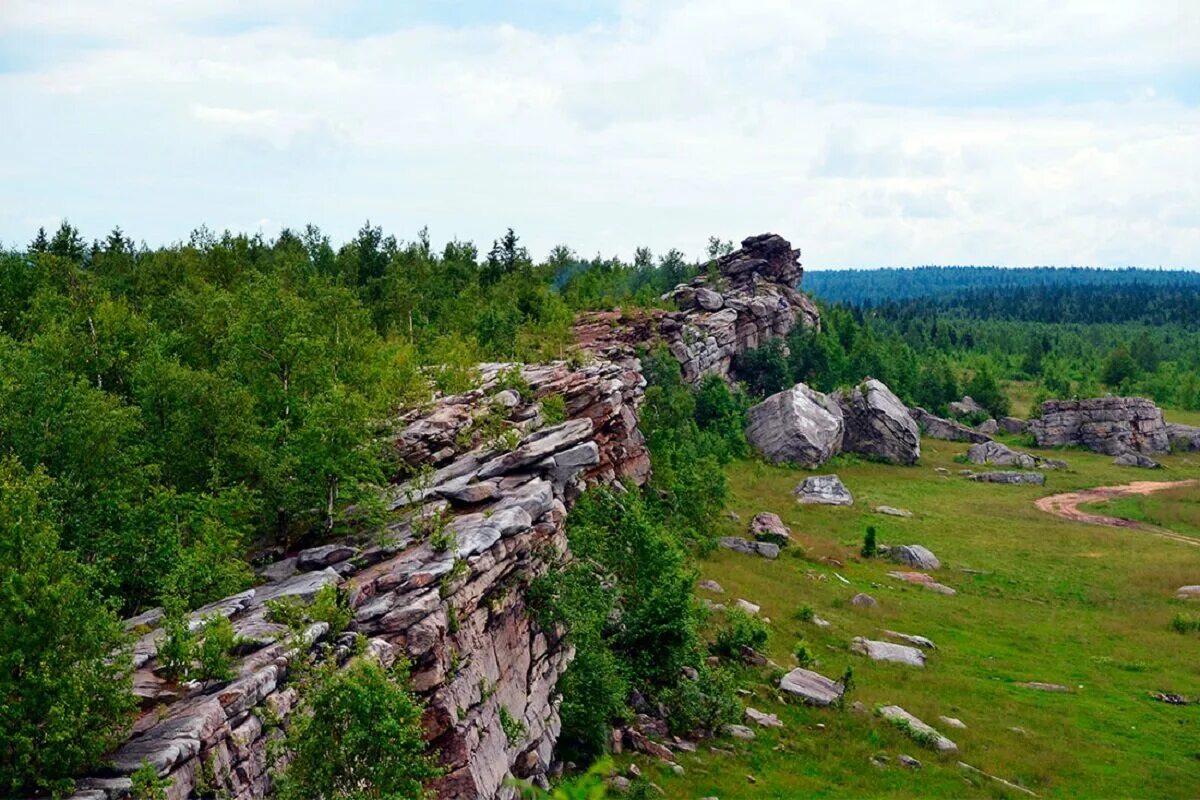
(1039, 599)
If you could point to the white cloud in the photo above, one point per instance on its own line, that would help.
(869, 133)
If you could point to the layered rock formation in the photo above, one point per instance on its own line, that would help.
(755, 299)
(443, 585)
(798, 425)
(1111, 425)
(877, 424)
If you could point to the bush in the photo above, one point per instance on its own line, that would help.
(741, 630)
(554, 409)
(805, 614)
(65, 691)
(358, 735)
(213, 654)
(706, 704)
(804, 656)
(145, 783)
(870, 546)
(764, 368)
(1185, 623)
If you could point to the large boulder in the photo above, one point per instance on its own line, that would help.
(915, 555)
(823, 490)
(812, 688)
(1183, 437)
(1132, 459)
(1000, 455)
(1013, 424)
(797, 425)
(877, 424)
(768, 527)
(936, 427)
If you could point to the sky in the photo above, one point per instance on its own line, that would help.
(867, 133)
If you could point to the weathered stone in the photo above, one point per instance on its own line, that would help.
(952, 722)
(1183, 437)
(764, 549)
(967, 407)
(863, 600)
(877, 424)
(711, 586)
(1132, 459)
(738, 731)
(747, 606)
(917, 729)
(936, 427)
(922, 580)
(1000, 455)
(989, 427)
(1033, 478)
(1045, 687)
(1109, 425)
(823, 490)
(811, 687)
(1013, 425)
(915, 555)
(919, 641)
(1188, 592)
(769, 527)
(708, 299)
(892, 511)
(887, 651)
(763, 719)
(795, 426)
(323, 556)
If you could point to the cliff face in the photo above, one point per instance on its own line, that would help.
(486, 475)
(753, 299)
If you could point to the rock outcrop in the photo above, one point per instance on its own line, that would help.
(811, 688)
(936, 427)
(888, 651)
(1183, 437)
(1001, 455)
(967, 407)
(755, 299)
(1109, 425)
(798, 426)
(1013, 425)
(1032, 478)
(825, 490)
(877, 424)
(1132, 459)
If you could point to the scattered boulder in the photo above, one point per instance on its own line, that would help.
(892, 511)
(1045, 687)
(823, 490)
(763, 719)
(708, 299)
(747, 606)
(1191, 592)
(764, 549)
(877, 424)
(923, 580)
(917, 729)
(1170, 698)
(1031, 478)
(1132, 459)
(999, 454)
(811, 687)
(953, 722)
(711, 585)
(909, 762)
(915, 555)
(936, 427)
(919, 641)
(1109, 425)
(798, 425)
(989, 427)
(863, 600)
(738, 731)
(1013, 425)
(967, 407)
(768, 527)
(887, 651)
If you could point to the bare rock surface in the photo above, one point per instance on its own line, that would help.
(795, 426)
(1013, 424)
(740, 545)
(919, 641)
(989, 427)
(823, 490)
(1032, 478)
(892, 511)
(936, 427)
(922, 580)
(1132, 459)
(1109, 425)
(967, 407)
(877, 424)
(766, 524)
(917, 729)
(1183, 438)
(763, 719)
(810, 687)
(915, 555)
(888, 651)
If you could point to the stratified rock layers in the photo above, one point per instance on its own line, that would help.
(1109, 425)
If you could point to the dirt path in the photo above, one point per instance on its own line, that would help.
(1067, 506)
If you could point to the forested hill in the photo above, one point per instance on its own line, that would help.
(870, 287)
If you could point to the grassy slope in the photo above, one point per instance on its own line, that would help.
(1059, 602)
(1177, 509)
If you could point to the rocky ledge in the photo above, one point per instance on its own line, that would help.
(753, 299)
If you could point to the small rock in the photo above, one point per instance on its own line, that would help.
(863, 600)
(711, 585)
(923, 580)
(752, 656)
(747, 606)
(690, 673)
(1188, 592)
(916, 556)
(892, 511)
(909, 761)
(811, 687)
(989, 427)
(823, 490)
(739, 732)
(917, 729)
(1132, 459)
(763, 719)
(770, 527)
(886, 651)
(1045, 687)
(1170, 698)
(619, 783)
(919, 641)
(764, 549)
(635, 770)
(953, 722)
(677, 769)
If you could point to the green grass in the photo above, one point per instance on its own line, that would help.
(1053, 601)
(1177, 509)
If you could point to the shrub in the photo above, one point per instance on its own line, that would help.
(805, 614)
(705, 704)
(65, 669)
(145, 783)
(213, 657)
(1185, 623)
(764, 368)
(870, 546)
(554, 409)
(804, 656)
(514, 729)
(176, 648)
(741, 630)
(358, 735)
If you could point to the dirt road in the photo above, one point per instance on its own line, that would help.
(1067, 506)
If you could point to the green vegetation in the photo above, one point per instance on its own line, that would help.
(1045, 600)
(357, 736)
(1177, 509)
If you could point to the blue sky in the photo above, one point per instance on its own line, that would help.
(867, 133)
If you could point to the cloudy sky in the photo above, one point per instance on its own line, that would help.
(869, 133)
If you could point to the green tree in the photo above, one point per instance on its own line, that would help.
(1118, 367)
(65, 690)
(358, 736)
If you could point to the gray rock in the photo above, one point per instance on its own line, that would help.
(936, 427)
(738, 731)
(796, 426)
(863, 600)
(877, 424)
(304, 586)
(764, 549)
(1188, 592)
(892, 511)
(763, 719)
(953, 722)
(915, 555)
(747, 606)
(967, 407)
(917, 729)
(989, 427)
(909, 761)
(1109, 425)
(823, 490)
(1183, 437)
(1001, 455)
(1032, 478)
(708, 299)
(1132, 459)
(766, 524)
(537, 446)
(811, 687)
(1013, 425)
(323, 556)
(919, 641)
(1045, 687)
(887, 651)
(711, 586)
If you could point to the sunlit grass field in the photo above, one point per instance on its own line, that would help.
(1039, 599)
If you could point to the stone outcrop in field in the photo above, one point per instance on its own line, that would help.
(755, 299)
(936, 427)
(798, 425)
(1183, 437)
(1109, 425)
(877, 424)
